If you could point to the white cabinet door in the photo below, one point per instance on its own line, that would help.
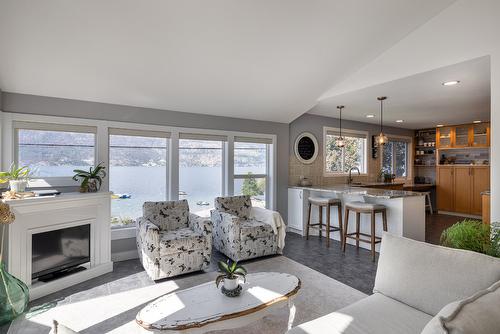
(296, 209)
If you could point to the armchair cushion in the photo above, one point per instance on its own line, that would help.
(252, 229)
(239, 206)
(181, 240)
(167, 215)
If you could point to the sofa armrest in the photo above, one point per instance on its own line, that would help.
(148, 237)
(200, 224)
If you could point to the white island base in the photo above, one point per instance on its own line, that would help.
(405, 211)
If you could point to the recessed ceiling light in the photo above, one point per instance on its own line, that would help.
(451, 83)
(476, 122)
(439, 125)
(399, 121)
(370, 116)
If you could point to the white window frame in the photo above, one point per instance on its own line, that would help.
(257, 176)
(8, 147)
(409, 155)
(345, 132)
(129, 232)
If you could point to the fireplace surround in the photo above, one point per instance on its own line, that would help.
(43, 214)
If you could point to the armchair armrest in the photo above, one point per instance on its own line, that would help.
(148, 237)
(200, 224)
(227, 222)
(272, 218)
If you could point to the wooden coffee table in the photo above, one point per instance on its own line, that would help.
(204, 308)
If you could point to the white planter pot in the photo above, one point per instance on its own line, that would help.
(231, 284)
(18, 186)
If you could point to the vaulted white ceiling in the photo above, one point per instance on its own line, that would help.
(421, 100)
(263, 59)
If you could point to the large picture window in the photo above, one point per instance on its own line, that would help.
(339, 160)
(137, 173)
(395, 158)
(251, 169)
(200, 170)
(55, 153)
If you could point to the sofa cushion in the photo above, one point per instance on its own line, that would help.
(167, 215)
(477, 314)
(428, 277)
(376, 314)
(181, 240)
(239, 206)
(252, 229)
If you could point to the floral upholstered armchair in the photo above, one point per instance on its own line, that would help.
(172, 241)
(243, 232)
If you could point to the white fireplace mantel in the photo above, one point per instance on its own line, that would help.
(42, 214)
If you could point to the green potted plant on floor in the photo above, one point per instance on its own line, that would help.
(17, 177)
(231, 273)
(472, 235)
(91, 180)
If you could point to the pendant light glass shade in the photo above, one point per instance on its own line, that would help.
(382, 138)
(340, 142)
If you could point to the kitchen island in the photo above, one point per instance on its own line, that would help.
(405, 210)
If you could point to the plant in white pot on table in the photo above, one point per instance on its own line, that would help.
(231, 274)
(17, 177)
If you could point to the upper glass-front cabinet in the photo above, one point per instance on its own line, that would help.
(462, 135)
(444, 137)
(481, 134)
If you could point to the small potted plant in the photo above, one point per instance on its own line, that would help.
(91, 180)
(17, 177)
(231, 273)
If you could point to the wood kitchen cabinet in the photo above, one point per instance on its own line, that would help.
(459, 188)
(480, 183)
(463, 136)
(463, 189)
(445, 184)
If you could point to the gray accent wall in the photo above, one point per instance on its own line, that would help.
(50, 106)
(314, 124)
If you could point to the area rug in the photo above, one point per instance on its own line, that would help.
(111, 307)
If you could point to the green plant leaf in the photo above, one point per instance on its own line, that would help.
(223, 267)
(240, 271)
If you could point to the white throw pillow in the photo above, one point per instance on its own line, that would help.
(478, 314)
(61, 329)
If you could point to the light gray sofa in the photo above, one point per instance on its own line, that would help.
(414, 282)
(171, 241)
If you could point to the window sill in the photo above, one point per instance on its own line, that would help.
(123, 233)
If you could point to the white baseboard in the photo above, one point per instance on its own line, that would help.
(123, 256)
(458, 214)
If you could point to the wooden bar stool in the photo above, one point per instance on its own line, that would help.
(359, 208)
(428, 204)
(327, 203)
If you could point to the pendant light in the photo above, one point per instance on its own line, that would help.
(340, 142)
(382, 138)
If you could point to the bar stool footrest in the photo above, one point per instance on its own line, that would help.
(353, 236)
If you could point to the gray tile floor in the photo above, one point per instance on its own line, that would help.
(353, 268)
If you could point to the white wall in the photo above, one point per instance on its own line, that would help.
(465, 30)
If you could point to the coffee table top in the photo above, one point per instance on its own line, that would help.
(205, 304)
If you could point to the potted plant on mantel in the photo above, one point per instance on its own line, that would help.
(91, 180)
(231, 273)
(17, 177)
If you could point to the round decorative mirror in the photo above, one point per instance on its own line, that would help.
(306, 147)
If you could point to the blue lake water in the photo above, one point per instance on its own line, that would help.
(143, 183)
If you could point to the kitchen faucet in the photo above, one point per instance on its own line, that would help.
(349, 180)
